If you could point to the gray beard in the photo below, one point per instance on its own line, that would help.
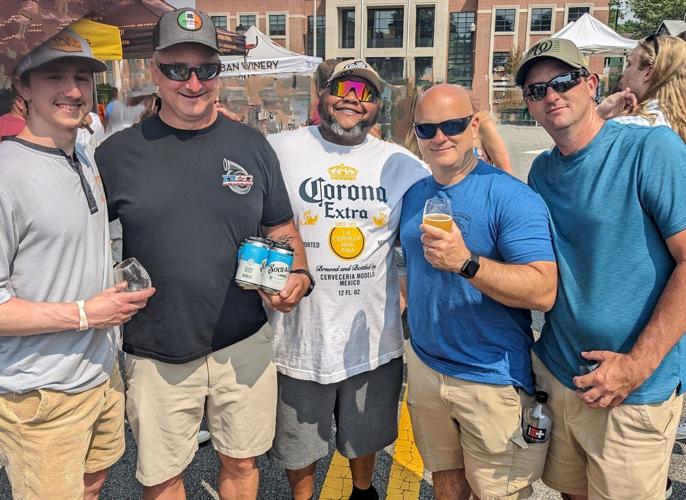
(357, 132)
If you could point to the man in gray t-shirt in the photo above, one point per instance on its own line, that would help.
(61, 398)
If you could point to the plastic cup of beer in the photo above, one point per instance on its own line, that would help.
(438, 213)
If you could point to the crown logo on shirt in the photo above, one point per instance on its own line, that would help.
(380, 220)
(342, 173)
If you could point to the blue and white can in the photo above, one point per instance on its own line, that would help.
(278, 268)
(252, 261)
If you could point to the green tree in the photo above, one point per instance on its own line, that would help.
(649, 14)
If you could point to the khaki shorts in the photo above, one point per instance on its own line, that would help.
(49, 439)
(617, 453)
(165, 404)
(474, 426)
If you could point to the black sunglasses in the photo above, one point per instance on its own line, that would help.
(182, 72)
(655, 40)
(449, 127)
(561, 83)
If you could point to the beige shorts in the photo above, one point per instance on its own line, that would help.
(474, 426)
(617, 453)
(165, 404)
(49, 439)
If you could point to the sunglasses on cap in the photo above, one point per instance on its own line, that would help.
(364, 91)
(179, 72)
(561, 83)
(449, 127)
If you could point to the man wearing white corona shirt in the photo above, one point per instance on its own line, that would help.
(339, 351)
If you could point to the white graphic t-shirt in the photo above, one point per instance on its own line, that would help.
(347, 202)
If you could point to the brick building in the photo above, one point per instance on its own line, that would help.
(416, 41)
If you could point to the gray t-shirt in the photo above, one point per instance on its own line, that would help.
(53, 248)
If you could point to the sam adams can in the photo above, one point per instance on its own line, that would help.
(252, 261)
(278, 268)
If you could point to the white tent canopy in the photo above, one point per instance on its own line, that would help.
(594, 37)
(267, 58)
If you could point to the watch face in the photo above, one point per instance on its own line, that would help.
(470, 268)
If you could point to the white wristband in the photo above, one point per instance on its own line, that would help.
(83, 319)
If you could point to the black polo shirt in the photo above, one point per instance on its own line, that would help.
(186, 199)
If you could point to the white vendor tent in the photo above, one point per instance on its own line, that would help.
(594, 37)
(266, 58)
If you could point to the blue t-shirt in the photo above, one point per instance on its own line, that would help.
(456, 329)
(612, 205)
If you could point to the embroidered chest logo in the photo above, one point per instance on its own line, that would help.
(236, 178)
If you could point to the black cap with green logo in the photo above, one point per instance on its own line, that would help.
(554, 48)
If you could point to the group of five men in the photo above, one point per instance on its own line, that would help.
(598, 240)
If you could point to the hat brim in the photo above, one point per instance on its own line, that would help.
(95, 65)
(179, 42)
(524, 68)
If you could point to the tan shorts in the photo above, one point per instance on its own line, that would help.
(617, 453)
(473, 426)
(165, 404)
(49, 439)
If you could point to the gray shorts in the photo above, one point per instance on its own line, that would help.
(365, 408)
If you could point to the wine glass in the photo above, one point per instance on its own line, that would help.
(133, 273)
(438, 213)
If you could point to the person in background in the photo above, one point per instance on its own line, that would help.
(12, 122)
(654, 86)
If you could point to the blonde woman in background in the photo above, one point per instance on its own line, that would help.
(654, 86)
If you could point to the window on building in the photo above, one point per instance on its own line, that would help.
(500, 61)
(384, 28)
(219, 21)
(277, 25)
(425, 27)
(575, 13)
(321, 36)
(247, 20)
(423, 71)
(505, 20)
(541, 19)
(347, 17)
(461, 49)
(390, 69)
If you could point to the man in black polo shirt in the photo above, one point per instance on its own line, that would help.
(203, 342)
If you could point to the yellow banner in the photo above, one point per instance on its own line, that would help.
(105, 40)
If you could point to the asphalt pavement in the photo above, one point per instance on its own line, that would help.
(524, 143)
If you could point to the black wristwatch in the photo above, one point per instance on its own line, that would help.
(470, 266)
(309, 276)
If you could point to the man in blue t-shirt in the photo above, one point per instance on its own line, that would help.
(615, 194)
(469, 294)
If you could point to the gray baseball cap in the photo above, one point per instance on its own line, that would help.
(184, 26)
(65, 44)
(554, 48)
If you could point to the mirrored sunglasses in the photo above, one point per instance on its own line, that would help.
(179, 72)
(561, 84)
(449, 127)
(363, 91)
